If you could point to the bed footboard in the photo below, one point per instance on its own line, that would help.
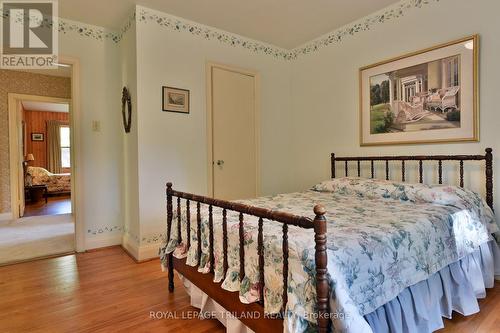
(286, 219)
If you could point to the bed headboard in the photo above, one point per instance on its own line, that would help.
(487, 157)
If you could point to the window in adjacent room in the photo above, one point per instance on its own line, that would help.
(65, 147)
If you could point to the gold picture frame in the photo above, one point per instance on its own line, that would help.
(427, 96)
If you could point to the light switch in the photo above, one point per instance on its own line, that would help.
(96, 126)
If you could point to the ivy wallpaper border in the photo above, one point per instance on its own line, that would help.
(152, 238)
(104, 230)
(390, 13)
(149, 239)
(177, 24)
(156, 238)
(146, 15)
(86, 30)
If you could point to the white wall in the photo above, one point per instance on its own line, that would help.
(101, 153)
(128, 46)
(173, 146)
(325, 88)
(309, 108)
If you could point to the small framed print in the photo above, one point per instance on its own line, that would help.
(175, 100)
(37, 137)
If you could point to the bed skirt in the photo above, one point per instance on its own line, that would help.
(210, 308)
(418, 308)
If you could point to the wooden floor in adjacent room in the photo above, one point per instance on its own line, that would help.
(54, 206)
(106, 291)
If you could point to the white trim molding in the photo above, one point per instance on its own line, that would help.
(102, 240)
(16, 168)
(140, 252)
(130, 245)
(149, 251)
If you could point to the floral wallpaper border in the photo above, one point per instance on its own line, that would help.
(126, 27)
(95, 32)
(199, 30)
(104, 230)
(153, 238)
(86, 30)
(388, 14)
(145, 15)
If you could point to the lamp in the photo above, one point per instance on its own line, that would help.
(27, 159)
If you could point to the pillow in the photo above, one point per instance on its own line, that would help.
(363, 187)
(414, 192)
(417, 193)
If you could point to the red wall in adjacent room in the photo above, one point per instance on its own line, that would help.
(36, 122)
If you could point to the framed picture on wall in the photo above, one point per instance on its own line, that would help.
(37, 137)
(428, 96)
(175, 100)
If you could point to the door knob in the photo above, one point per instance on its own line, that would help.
(220, 162)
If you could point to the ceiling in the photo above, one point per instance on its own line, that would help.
(284, 23)
(44, 106)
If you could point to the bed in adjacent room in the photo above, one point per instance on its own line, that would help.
(400, 256)
(57, 183)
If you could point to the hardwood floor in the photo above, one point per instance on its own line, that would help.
(486, 321)
(102, 291)
(106, 291)
(55, 206)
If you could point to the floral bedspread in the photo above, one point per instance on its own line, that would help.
(382, 237)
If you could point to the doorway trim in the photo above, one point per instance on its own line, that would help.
(16, 172)
(76, 177)
(210, 158)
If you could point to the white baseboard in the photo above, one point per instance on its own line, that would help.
(140, 253)
(5, 216)
(148, 251)
(131, 246)
(104, 240)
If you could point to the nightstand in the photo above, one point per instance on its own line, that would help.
(37, 192)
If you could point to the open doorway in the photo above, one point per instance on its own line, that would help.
(46, 153)
(41, 165)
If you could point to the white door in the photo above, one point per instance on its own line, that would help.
(234, 137)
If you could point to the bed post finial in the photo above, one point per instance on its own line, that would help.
(489, 177)
(170, 214)
(322, 285)
(333, 164)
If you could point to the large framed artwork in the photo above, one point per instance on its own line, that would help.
(428, 96)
